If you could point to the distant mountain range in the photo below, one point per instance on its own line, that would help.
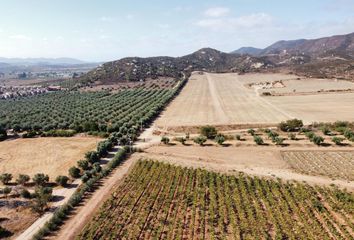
(340, 45)
(41, 61)
(330, 57)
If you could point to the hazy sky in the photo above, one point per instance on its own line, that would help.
(100, 30)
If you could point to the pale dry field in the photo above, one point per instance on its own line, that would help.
(219, 99)
(294, 83)
(225, 99)
(317, 108)
(52, 156)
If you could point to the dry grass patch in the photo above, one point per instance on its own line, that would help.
(52, 156)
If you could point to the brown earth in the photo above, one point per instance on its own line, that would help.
(52, 156)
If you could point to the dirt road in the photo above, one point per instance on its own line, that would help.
(75, 224)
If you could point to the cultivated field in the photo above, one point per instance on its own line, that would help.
(263, 161)
(227, 99)
(161, 201)
(52, 156)
(331, 164)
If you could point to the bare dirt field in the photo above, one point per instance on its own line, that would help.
(52, 156)
(263, 161)
(317, 108)
(227, 99)
(219, 99)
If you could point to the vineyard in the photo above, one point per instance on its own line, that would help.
(83, 112)
(331, 164)
(161, 201)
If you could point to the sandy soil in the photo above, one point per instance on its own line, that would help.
(218, 99)
(16, 219)
(263, 161)
(225, 99)
(317, 108)
(52, 156)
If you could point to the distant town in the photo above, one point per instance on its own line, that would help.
(8, 92)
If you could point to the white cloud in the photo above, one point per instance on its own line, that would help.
(106, 19)
(163, 25)
(21, 37)
(217, 12)
(129, 16)
(255, 20)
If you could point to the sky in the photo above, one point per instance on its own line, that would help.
(104, 30)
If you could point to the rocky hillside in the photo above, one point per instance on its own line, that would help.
(140, 69)
(340, 45)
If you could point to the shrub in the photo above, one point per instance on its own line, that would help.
(325, 130)
(220, 139)
(310, 135)
(74, 172)
(165, 140)
(291, 125)
(3, 134)
(208, 131)
(258, 140)
(83, 164)
(200, 140)
(251, 131)
(6, 191)
(292, 136)
(278, 140)
(92, 157)
(25, 194)
(85, 178)
(318, 140)
(23, 179)
(42, 196)
(337, 140)
(62, 180)
(238, 137)
(5, 178)
(40, 179)
(181, 140)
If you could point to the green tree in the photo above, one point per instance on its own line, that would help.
(23, 179)
(291, 125)
(62, 180)
(74, 172)
(6, 191)
(40, 179)
(338, 140)
(220, 139)
(318, 140)
(208, 131)
(92, 157)
(5, 178)
(165, 140)
(251, 131)
(258, 140)
(83, 164)
(200, 140)
(181, 140)
(3, 134)
(42, 197)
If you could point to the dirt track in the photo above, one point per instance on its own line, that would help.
(219, 99)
